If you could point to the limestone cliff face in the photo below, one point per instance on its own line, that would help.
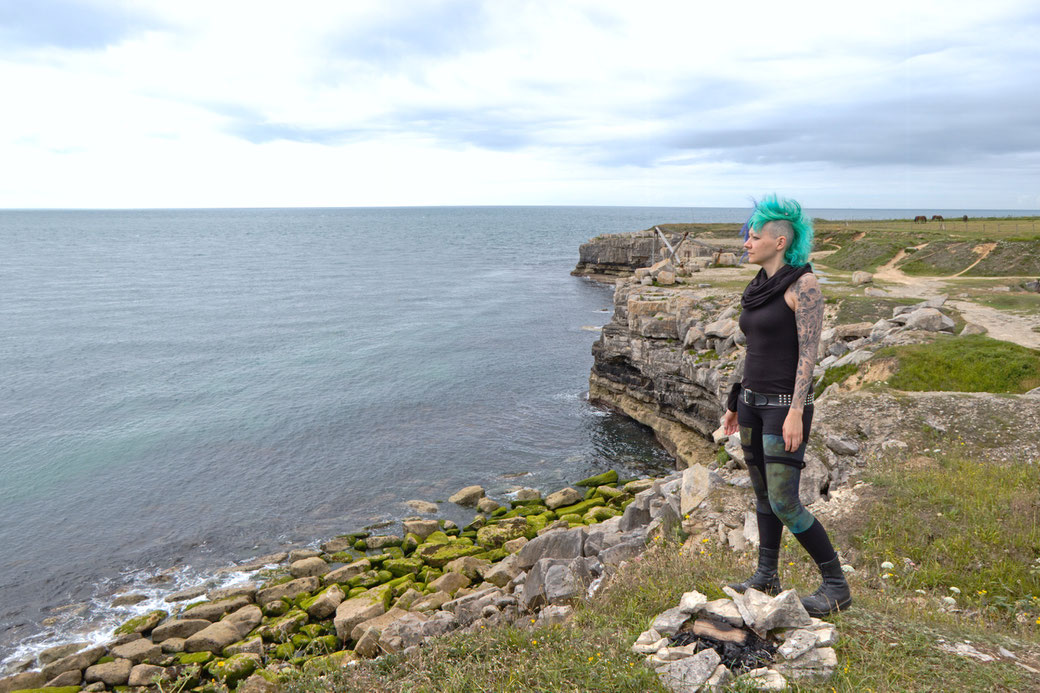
(665, 359)
(670, 353)
(620, 254)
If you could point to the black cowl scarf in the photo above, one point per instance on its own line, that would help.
(762, 288)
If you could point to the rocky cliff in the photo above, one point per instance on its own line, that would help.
(670, 352)
(621, 254)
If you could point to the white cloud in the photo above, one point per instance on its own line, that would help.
(109, 104)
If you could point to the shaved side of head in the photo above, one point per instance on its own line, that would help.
(778, 228)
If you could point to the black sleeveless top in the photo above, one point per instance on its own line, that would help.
(771, 361)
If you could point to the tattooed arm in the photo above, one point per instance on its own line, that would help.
(808, 316)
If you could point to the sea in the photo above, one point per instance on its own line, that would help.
(187, 389)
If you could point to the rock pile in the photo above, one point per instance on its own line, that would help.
(361, 596)
(751, 639)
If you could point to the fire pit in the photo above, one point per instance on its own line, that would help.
(758, 639)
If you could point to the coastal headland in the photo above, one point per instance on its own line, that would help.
(928, 363)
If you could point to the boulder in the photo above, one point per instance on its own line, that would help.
(469, 566)
(377, 623)
(288, 590)
(421, 528)
(421, 506)
(467, 496)
(25, 679)
(972, 328)
(213, 611)
(213, 638)
(353, 611)
(69, 678)
(403, 632)
(501, 573)
(138, 651)
(78, 661)
(179, 628)
(53, 654)
(696, 484)
(450, 582)
(346, 572)
(557, 543)
(325, 603)
(925, 319)
(245, 619)
(853, 331)
(859, 277)
(308, 567)
(563, 497)
(145, 675)
(841, 446)
(493, 536)
(114, 673)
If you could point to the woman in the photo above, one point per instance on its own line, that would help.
(782, 318)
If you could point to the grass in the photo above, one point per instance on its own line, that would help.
(1017, 302)
(836, 375)
(1023, 256)
(963, 523)
(867, 254)
(940, 258)
(971, 363)
(854, 308)
(966, 523)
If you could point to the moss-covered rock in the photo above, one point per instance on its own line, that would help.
(494, 535)
(438, 537)
(608, 492)
(334, 660)
(580, 507)
(439, 555)
(607, 477)
(51, 689)
(410, 541)
(233, 669)
(601, 513)
(493, 554)
(277, 608)
(281, 629)
(194, 657)
(355, 591)
(143, 623)
(403, 566)
(286, 650)
(323, 644)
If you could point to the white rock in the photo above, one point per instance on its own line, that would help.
(689, 673)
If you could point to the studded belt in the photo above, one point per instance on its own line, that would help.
(761, 399)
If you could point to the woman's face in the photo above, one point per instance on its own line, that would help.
(761, 245)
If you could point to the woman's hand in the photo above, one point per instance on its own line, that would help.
(793, 429)
(729, 423)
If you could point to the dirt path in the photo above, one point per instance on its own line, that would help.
(1000, 324)
(1008, 326)
(984, 250)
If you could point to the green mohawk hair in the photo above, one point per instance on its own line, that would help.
(773, 208)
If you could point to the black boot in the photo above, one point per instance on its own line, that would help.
(833, 595)
(765, 578)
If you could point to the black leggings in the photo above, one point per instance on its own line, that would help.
(775, 477)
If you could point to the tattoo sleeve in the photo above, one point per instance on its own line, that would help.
(809, 321)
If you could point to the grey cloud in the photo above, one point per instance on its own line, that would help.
(67, 24)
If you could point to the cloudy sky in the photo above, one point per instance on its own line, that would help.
(436, 102)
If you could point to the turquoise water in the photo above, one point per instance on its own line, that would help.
(188, 388)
